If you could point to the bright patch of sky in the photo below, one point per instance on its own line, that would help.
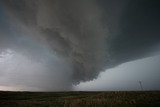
(127, 76)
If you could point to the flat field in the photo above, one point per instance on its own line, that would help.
(80, 99)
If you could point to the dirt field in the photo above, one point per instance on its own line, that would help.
(80, 99)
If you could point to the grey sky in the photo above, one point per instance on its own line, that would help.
(55, 44)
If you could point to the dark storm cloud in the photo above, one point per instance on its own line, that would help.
(90, 35)
(71, 28)
(139, 30)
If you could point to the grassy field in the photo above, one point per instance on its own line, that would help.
(80, 99)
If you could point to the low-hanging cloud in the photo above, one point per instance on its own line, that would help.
(72, 41)
(69, 29)
(126, 76)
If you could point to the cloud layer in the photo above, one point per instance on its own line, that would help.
(74, 40)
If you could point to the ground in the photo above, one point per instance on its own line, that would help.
(80, 99)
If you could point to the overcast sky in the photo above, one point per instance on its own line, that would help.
(57, 45)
